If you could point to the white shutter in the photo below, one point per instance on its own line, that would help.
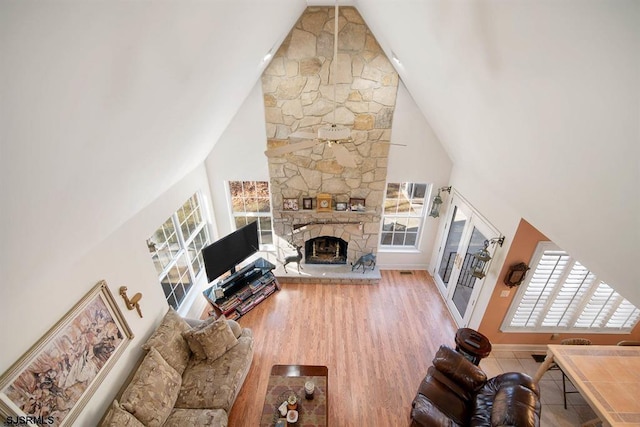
(539, 289)
(600, 304)
(567, 300)
(626, 316)
(563, 295)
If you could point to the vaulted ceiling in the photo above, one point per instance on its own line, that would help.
(104, 105)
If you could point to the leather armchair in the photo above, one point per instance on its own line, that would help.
(455, 392)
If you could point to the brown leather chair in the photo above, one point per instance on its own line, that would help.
(455, 392)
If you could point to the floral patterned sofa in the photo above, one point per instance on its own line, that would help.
(191, 375)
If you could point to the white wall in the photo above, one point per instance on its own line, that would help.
(539, 99)
(107, 104)
(422, 160)
(238, 155)
(122, 260)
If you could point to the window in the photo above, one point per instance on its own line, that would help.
(561, 295)
(403, 214)
(176, 250)
(251, 201)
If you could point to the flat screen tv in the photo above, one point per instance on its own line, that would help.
(224, 254)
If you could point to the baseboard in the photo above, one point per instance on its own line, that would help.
(402, 266)
(533, 348)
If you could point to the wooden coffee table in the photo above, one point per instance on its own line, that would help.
(287, 379)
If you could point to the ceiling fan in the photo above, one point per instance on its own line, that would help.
(333, 135)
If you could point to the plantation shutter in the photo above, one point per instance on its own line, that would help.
(625, 317)
(563, 295)
(542, 284)
(566, 303)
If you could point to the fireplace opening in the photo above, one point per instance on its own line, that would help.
(325, 250)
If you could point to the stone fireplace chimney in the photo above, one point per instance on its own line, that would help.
(298, 89)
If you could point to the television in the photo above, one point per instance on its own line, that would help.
(226, 253)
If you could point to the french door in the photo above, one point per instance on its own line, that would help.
(464, 234)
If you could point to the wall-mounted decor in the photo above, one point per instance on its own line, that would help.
(290, 204)
(307, 203)
(480, 259)
(133, 302)
(356, 205)
(341, 206)
(55, 379)
(515, 275)
(437, 201)
(324, 202)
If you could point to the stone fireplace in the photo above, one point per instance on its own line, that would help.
(298, 91)
(325, 250)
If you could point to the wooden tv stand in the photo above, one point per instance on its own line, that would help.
(243, 290)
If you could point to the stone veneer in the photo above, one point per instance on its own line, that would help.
(298, 89)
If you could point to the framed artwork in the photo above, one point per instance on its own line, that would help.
(341, 206)
(290, 204)
(55, 379)
(307, 203)
(324, 202)
(356, 205)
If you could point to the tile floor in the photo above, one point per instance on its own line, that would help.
(553, 412)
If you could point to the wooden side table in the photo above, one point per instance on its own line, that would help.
(472, 345)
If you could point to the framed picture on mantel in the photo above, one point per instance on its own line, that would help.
(356, 205)
(324, 202)
(290, 204)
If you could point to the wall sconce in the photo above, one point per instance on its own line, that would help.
(516, 274)
(481, 259)
(132, 303)
(437, 201)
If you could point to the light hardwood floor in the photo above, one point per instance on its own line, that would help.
(376, 340)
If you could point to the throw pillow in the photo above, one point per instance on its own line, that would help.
(194, 344)
(216, 338)
(118, 417)
(153, 390)
(235, 328)
(168, 340)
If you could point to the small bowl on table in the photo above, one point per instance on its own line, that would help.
(292, 416)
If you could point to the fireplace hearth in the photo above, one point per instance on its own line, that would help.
(325, 250)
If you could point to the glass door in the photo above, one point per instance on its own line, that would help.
(464, 235)
(449, 253)
(463, 293)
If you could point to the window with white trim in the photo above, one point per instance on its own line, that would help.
(176, 250)
(251, 201)
(403, 214)
(561, 295)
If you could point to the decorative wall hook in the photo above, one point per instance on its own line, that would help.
(132, 303)
(516, 274)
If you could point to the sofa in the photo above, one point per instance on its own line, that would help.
(455, 392)
(190, 375)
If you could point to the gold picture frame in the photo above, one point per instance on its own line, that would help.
(324, 202)
(55, 379)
